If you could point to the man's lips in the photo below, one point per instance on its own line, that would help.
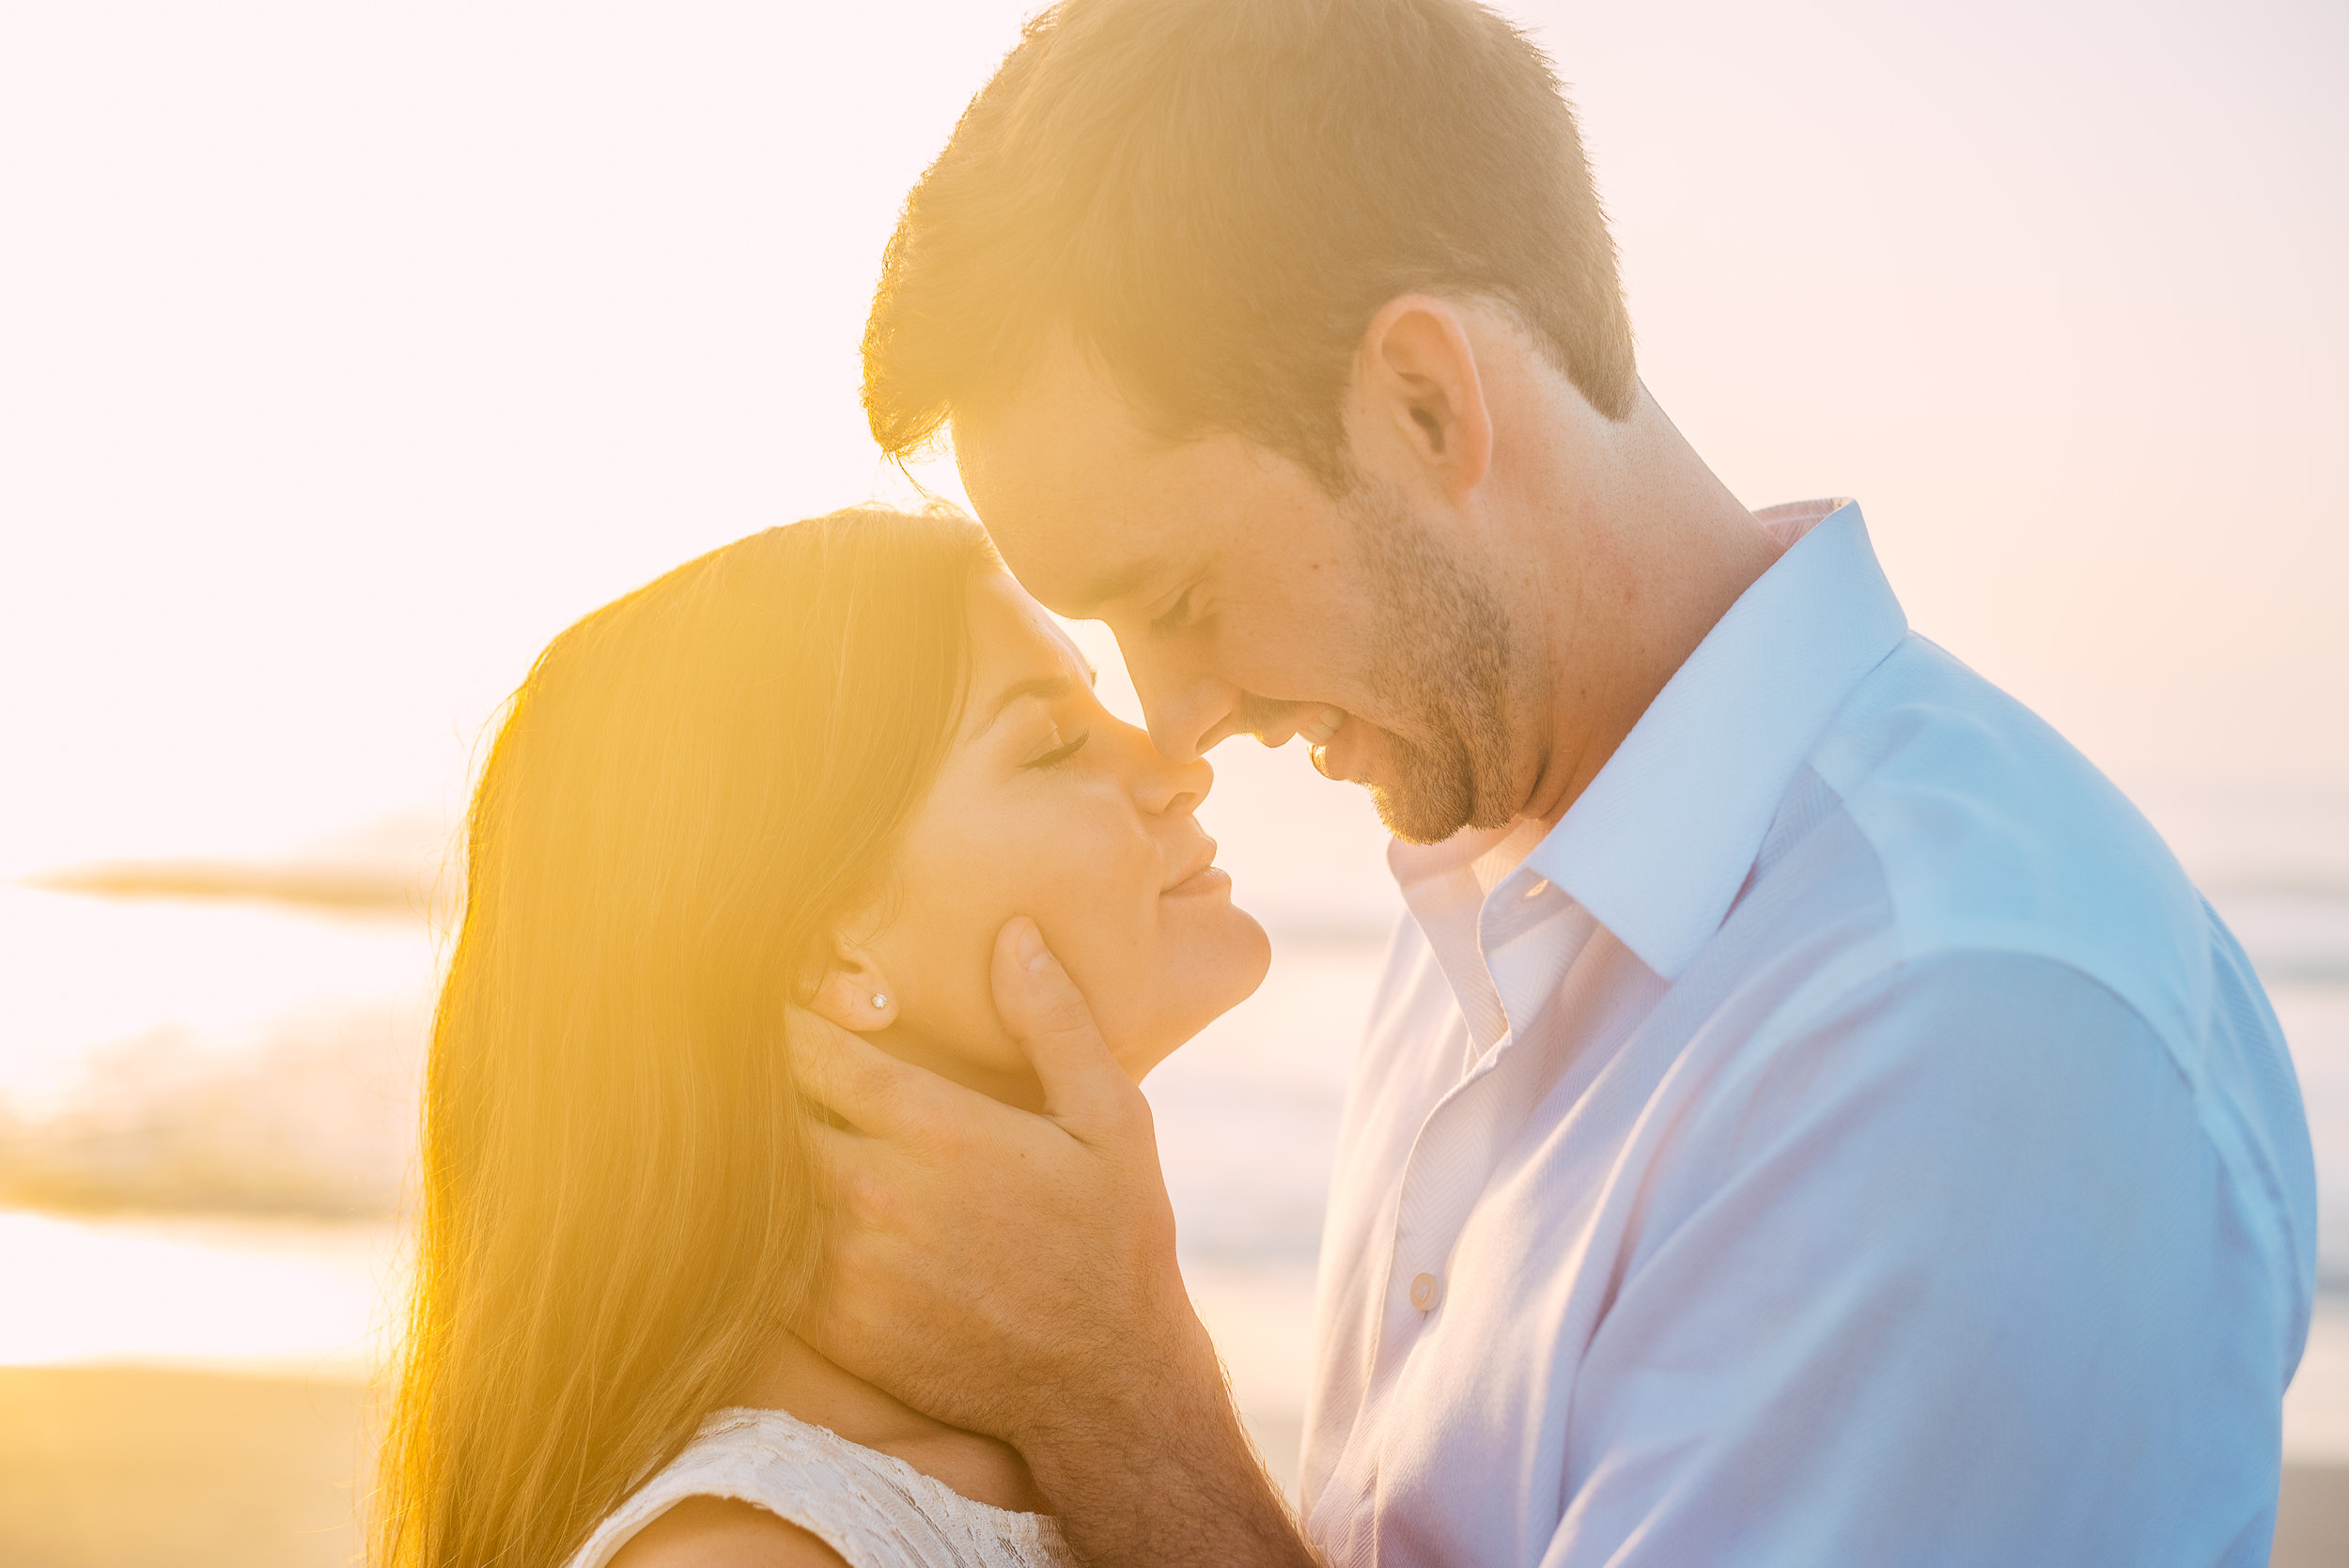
(1315, 721)
(1339, 742)
(1343, 752)
(1321, 725)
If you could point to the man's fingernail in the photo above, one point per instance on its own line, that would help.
(1031, 949)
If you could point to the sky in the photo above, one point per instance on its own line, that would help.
(347, 352)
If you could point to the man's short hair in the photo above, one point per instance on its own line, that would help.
(1213, 198)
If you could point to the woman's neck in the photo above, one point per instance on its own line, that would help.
(793, 1376)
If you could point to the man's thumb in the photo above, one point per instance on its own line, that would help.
(1043, 1010)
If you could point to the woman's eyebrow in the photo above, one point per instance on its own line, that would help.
(1050, 687)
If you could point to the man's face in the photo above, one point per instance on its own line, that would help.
(1248, 600)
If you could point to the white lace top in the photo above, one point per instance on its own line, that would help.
(876, 1510)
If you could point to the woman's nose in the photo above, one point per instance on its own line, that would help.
(1163, 785)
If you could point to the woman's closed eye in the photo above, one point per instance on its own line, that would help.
(1061, 754)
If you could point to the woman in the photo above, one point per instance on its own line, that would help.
(821, 768)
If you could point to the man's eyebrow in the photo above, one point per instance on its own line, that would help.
(1050, 687)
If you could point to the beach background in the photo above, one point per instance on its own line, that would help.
(348, 354)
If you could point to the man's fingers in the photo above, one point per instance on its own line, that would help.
(1043, 1011)
(853, 1078)
(859, 1181)
(842, 1158)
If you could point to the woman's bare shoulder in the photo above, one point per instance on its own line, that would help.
(719, 1532)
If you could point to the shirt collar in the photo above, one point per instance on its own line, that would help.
(1659, 845)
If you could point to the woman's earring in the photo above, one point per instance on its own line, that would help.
(880, 1000)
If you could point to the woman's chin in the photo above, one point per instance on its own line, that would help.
(1222, 973)
(1259, 951)
(1233, 960)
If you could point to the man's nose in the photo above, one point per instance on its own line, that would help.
(1185, 706)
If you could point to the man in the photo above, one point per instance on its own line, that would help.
(1808, 1117)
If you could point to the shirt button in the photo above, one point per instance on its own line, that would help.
(1425, 1289)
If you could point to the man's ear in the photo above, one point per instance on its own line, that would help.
(1419, 383)
(853, 992)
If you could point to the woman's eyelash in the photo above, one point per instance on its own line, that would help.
(1060, 755)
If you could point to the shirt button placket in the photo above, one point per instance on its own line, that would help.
(1426, 1290)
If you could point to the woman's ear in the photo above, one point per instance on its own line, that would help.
(853, 993)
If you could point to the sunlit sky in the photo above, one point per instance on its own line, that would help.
(346, 352)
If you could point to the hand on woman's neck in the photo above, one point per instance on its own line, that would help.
(1019, 1088)
(795, 1377)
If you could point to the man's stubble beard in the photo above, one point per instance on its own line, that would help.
(1443, 657)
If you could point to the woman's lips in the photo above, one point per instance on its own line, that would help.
(1214, 880)
(1201, 874)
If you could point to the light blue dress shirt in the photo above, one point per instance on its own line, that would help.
(1846, 1137)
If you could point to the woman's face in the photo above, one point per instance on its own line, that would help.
(1049, 807)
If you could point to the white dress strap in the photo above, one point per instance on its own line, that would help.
(872, 1508)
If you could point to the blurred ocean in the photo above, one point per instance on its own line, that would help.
(207, 1103)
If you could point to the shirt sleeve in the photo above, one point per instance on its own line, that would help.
(1951, 1274)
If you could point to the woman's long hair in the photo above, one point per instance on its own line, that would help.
(694, 786)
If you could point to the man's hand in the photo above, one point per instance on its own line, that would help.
(1015, 1274)
(993, 1262)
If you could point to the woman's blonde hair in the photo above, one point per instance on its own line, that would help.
(693, 785)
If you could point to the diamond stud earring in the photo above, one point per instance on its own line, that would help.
(880, 1000)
